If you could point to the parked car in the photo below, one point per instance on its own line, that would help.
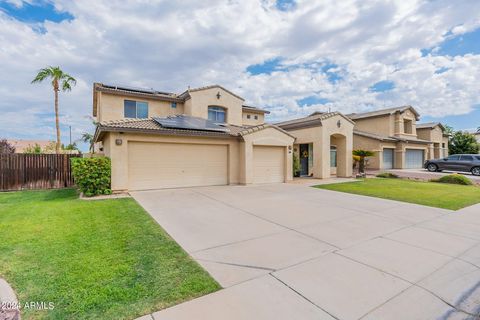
(456, 162)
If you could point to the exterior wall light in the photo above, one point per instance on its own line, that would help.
(118, 142)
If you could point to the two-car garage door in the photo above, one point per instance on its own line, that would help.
(176, 165)
(171, 165)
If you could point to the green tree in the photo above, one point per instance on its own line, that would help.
(88, 138)
(60, 81)
(35, 149)
(362, 154)
(6, 147)
(462, 142)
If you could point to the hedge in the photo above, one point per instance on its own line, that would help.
(454, 179)
(92, 175)
(387, 175)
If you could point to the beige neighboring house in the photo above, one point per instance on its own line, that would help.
(22, 145)
(396, 138)
(434, 132)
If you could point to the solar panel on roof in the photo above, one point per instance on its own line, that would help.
(190, 123)
(136, 89)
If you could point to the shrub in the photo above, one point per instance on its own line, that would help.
(387, 175)
(92, 175)
(454, 179)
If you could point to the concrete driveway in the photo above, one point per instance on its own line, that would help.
(288, 251)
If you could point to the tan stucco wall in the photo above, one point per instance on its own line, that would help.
(364, 143)
(199, 102)
(439, 146)
(111, 107)
(240, 154)
(381, 125)
(320, 137)
(252, 121)
(388, 125)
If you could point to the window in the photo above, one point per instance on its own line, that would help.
(478, 158)
(135, 109)
(333, 156)
(248, 116)
(256, 117)
(453, 158)
(408, 126)
(216, 114)
(466, 158)
(174, 105)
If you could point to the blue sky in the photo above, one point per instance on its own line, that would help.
(35, 13)
(290, 57)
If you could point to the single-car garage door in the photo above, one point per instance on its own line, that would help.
(413, 159)
(268, 164)
(388, 155)
(172, 165)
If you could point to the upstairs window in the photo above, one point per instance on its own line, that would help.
(174, 105)
(135, 109)
(216, 114)
(408, 126)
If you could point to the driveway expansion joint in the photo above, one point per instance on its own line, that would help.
(303, 297)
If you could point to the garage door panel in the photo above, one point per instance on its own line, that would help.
(388, 156)
(168, 165)
(268, 164)
(414, 158)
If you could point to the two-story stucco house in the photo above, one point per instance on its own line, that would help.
(209, 136)
(396, 138)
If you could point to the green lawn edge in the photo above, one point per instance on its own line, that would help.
(433, 194)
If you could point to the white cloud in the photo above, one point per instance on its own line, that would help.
(169, 45)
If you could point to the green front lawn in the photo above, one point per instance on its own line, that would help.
(440, 195)
(103, 259)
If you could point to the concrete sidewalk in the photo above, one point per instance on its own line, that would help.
(288, 251)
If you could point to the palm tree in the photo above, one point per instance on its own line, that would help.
(88, 138)
(362, 154)
(60, 80)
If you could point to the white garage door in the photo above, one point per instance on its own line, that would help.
(268, 164)
(388, 158)
(413, 159)
(170, 165)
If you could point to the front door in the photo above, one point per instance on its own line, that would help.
(304, 159)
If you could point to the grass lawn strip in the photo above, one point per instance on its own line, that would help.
(440, 195)
(105, 259)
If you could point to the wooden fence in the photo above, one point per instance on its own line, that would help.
(35, 171)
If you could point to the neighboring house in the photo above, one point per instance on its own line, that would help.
(396, 139)
(209, 136)
(22, 145)
(434, 132)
